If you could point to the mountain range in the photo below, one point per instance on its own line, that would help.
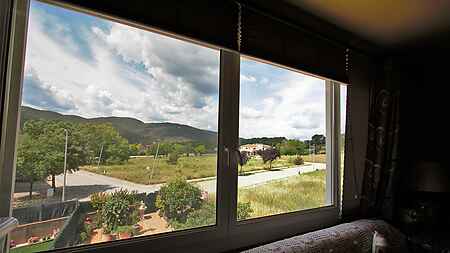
(137, 131)
(132, 129)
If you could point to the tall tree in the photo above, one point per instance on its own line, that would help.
(30, 166)
(200, 149)
(104, 137)
(51, 137)
(243, 159)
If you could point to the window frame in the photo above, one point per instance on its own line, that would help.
(228, 233)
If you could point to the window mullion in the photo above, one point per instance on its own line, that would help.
(228, 138)
(332, 141)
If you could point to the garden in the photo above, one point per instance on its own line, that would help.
(122, 214)
(181, 205)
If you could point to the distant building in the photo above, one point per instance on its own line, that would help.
(252, 148)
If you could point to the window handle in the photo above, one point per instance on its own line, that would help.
(227, 152)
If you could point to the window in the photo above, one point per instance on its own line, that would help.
(118, 135)
(127, 148)
(283, 145)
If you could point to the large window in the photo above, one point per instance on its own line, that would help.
(118, 133)
(115, 133)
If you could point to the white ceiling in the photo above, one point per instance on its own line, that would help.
(385, 22)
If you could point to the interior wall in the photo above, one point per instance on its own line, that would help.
(424, 110)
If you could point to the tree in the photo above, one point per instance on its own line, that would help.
(269, 155)
(134, 149)
(115, 147)
(83, 143)
(188, 148)
(200, 149)
(292, 147)
(243, 159)
(164, 149)
(51, 137)
(319, 141)
(30, 165)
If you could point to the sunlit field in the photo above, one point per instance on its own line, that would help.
(147, 170)
(300, 192)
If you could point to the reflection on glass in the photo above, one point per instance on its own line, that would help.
(282, 141)
(118, 133)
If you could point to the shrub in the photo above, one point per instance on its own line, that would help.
(173, 158)
(298, 160)
(244, 210)
(177, 199)
(119, 209)
(125, 229)
(98, 200)
(83, 237)
(204, 216)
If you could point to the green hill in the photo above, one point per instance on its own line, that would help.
(134, 130)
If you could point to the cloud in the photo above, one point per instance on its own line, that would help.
(130, 72)
(83, 65)
(290, 104)
(196, 66)
(248, 78)
(44, 95)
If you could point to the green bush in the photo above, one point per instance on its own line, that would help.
(98, 199)
(119, 209)
(204, 216)
(173, 158)
(83, 237)
(298, 160)
(244, 210)
(125, 229)
(177, 199)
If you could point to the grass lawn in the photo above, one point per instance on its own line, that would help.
(139, 170)
(300, 192)
(42, 246)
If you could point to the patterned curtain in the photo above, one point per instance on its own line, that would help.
(381, 167)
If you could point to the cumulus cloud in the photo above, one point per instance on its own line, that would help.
(44, 95)
(130, 72)
(91, 67)
(285, 104)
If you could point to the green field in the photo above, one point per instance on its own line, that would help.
(37, 247)
(296, 193)
(140, 170)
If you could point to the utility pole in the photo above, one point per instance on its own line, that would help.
(100, 158)
(65, 166)
(154, 160)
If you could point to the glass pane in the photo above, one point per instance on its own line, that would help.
(282, 141)
(118, 133)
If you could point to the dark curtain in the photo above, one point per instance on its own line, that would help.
(381, 173)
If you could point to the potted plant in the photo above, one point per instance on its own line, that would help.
(125, 232)
(106, 236)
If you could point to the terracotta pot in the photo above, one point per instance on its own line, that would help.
(107, 237)
(124, 235)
